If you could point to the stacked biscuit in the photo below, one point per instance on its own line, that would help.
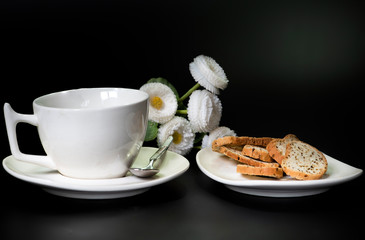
(273, 157)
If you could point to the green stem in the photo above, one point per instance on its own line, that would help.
(182, 112)
(187, 94)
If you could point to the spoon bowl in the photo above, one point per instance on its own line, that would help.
(140, 172)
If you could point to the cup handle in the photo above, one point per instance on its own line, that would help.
(12, 118)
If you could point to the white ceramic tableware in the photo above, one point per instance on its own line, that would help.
(90, 133)
(55, 183)
(223, 169)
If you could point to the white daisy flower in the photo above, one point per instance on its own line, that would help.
(216, 133)
(163, 103)
(204, 111)
(207, 72)
(182, 133)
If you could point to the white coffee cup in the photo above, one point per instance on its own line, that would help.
(88, 133)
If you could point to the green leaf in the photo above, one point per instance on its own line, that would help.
(199, 137)
(167, 83)
(152, 129)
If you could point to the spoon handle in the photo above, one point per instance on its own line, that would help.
(162, 149)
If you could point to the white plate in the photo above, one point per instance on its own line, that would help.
(223, 169)
(53, 182)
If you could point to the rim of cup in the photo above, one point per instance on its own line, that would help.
(55, 100)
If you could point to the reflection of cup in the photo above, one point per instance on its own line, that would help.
(86, 133)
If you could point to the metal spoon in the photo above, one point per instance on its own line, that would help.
(149, 171)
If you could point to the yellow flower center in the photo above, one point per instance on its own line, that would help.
(177, 137)
(156, 102)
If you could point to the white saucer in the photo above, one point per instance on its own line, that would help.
(223, 169)
(53, 182)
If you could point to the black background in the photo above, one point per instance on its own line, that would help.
(293, 67)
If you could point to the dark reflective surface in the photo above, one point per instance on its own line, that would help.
(191, 206)
(293, 67)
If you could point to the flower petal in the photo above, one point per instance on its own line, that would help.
(204, 111)
(180, 128)
(163, 103)
(208, 73)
